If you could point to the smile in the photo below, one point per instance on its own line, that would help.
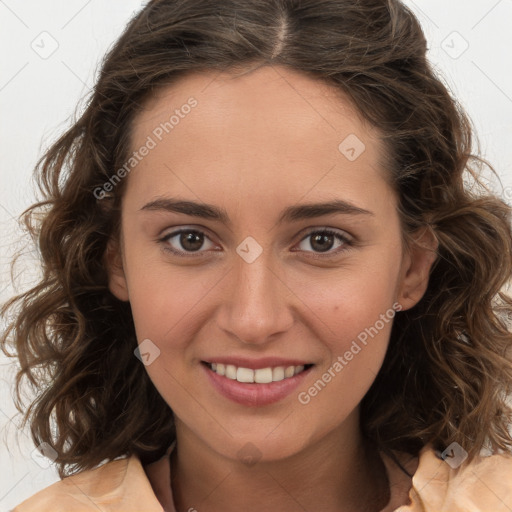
(255, 387)
(258, 376)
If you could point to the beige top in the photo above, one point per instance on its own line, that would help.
(124, 485)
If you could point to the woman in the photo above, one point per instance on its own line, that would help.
(265, 285)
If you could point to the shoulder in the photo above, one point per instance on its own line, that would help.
(438, 485)
(119, 485)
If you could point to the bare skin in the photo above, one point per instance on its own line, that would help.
(253, 146)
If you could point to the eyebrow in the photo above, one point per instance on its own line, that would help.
(289, 214)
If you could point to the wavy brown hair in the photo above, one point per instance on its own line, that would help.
(447, 372)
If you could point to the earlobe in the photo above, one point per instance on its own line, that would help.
(421, 255)
(115, 269)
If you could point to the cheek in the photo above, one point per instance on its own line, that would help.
(348, 303)
(353, 316)
(355, 332)
(355, 329)
(166, 312)
(166, 308)
(170, 305)
(164, 297)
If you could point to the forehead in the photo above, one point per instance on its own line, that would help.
(281, 97)
(271, 129)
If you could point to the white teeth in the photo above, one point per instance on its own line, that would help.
(263, 375)
(230, 372)
(278, 373)
(245, 375)
(289, 372)
(260, 376)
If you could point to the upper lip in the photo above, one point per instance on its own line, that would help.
(255, 364)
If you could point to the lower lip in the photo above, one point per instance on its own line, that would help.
(254, 395)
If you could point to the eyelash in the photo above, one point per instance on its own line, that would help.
(345, 240)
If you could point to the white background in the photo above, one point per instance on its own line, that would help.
(38, 97)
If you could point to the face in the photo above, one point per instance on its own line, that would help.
(230, 268)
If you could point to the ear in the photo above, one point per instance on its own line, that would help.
(116, 277)
(417, 263)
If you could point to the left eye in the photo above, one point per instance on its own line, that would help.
(322, 241)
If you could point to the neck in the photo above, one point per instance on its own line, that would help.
(341, 475)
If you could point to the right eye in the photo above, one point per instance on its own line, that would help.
(190, 241)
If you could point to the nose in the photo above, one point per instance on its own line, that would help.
(256, 303)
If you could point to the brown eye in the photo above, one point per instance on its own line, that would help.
(186, 241)
(323, 241)
(191, 241)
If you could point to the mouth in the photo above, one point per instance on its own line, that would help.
(256, 376)
(255, 387)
